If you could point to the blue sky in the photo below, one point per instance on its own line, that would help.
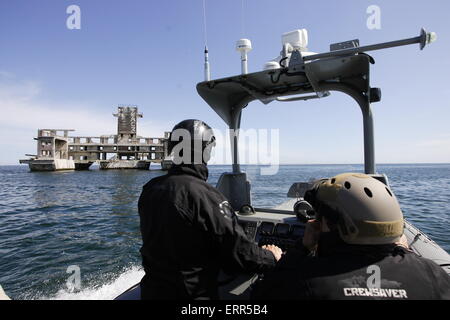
(149, 53)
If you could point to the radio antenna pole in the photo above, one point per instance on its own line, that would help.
(207, 71)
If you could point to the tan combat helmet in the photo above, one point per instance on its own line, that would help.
(369, 212)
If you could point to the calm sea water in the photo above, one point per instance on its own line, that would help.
(50, 221)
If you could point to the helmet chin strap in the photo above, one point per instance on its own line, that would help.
(207, 151)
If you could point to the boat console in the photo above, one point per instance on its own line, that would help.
(279, 229)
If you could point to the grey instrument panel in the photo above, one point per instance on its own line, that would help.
(282, 230)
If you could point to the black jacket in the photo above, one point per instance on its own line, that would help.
(344, 271)
(189, 233)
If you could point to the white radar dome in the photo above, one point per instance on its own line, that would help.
(243, 45)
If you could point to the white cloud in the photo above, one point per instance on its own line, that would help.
(33, 115)
(23, 111)
(441, 141)
(22, 108)
(151, 128)
(6, 74)
(435, 149)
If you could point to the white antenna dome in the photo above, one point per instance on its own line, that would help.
(270, 65)
(243, 45)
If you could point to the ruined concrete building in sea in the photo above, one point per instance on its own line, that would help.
(57, 150)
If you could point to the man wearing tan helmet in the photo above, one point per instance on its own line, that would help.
(354, 249)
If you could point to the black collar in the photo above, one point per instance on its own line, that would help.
(197, 170)
(331, 244)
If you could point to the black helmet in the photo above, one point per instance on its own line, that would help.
(191, 142)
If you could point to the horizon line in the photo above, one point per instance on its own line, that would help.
(293, 164)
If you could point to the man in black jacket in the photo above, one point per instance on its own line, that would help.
(189, 229)
(354, 249)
